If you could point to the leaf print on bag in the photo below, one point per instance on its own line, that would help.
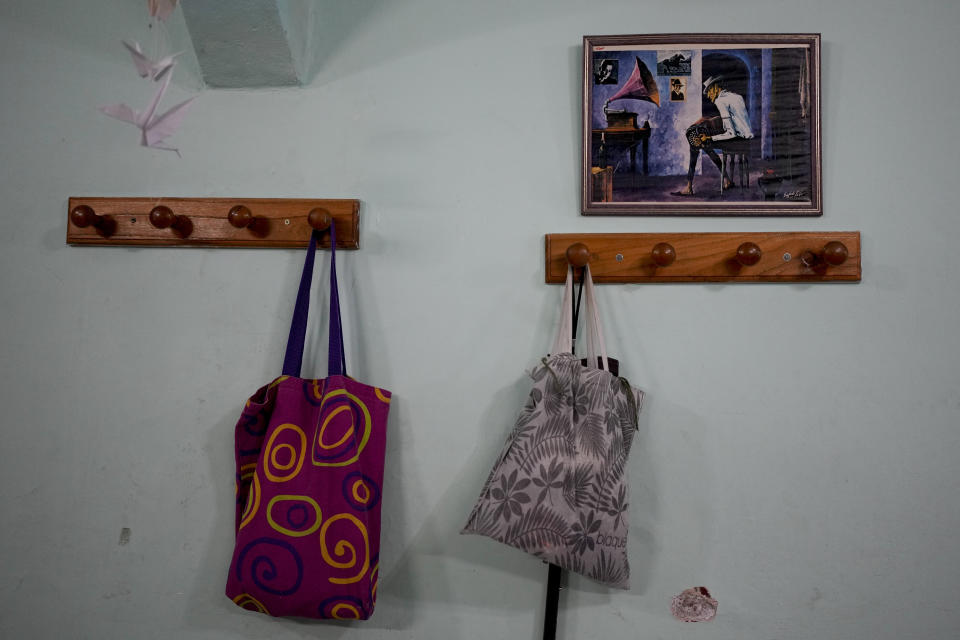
(509, 496)
(628, 410)
(591, 436)
(576, 486)
(606, 482)
(525, 423)
(555, 374)
(581, 536)
(612, 420)
(554, 399)
(596, 387)
(616, 506)
(550, 440)
(572, 562)
(538, 529)
(609, 569)
(579, 401)
(615, 449)
(550, 478)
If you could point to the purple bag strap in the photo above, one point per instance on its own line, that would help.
(336, 354)
(336, 357)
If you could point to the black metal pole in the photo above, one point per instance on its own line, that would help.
(552, 606)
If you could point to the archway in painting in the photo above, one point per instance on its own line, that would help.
(737, 77)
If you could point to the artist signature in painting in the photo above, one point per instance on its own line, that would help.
(799, 194)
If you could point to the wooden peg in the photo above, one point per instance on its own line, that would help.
(242, 218)
(84, 216)
(578, 254)
(319, 219)
(809, 259)
(748, 254)
(835, 253)
(162, 218)
(663, 254)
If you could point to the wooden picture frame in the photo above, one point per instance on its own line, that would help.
(653, 104)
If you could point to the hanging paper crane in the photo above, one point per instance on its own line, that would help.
(147, 67)
(640, 86)
(154, 129)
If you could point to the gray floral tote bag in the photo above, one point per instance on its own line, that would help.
(559, 488)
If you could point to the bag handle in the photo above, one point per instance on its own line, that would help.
(563, 342)
(594, 328)
(336, 357)
(336, 353)
(596, 345)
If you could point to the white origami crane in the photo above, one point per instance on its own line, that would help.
(155, 69)
(154, 129)
(161, 8)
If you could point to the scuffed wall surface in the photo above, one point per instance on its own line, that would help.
(799, 446)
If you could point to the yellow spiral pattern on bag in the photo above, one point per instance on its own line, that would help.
(326, 421)
(316, 389)
(245, 599)
(379, 394)
(283, 447)
(277, 381)
(253, 502)
(294, 533)
(246, 471)
(345, 548)
(337, 608)
(270, 459)
(320, 444)
(359, 488)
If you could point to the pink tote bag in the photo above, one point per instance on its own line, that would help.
(309, 471)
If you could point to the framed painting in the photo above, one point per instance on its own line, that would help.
(701, 124)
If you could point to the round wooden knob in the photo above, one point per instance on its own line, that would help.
(663, 254)
(319, 219)
(809, 259)
(84, 216)
(835, 253)
(578, 254)
(749, 254)
(162, 218)
(240, 217)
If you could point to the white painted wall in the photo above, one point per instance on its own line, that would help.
(799, 453)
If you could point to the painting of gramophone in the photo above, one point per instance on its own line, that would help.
(640, 86)
(642, 105)
(622, 133)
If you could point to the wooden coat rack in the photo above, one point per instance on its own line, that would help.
(210, 222)
(696, 257)
(706, 257)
